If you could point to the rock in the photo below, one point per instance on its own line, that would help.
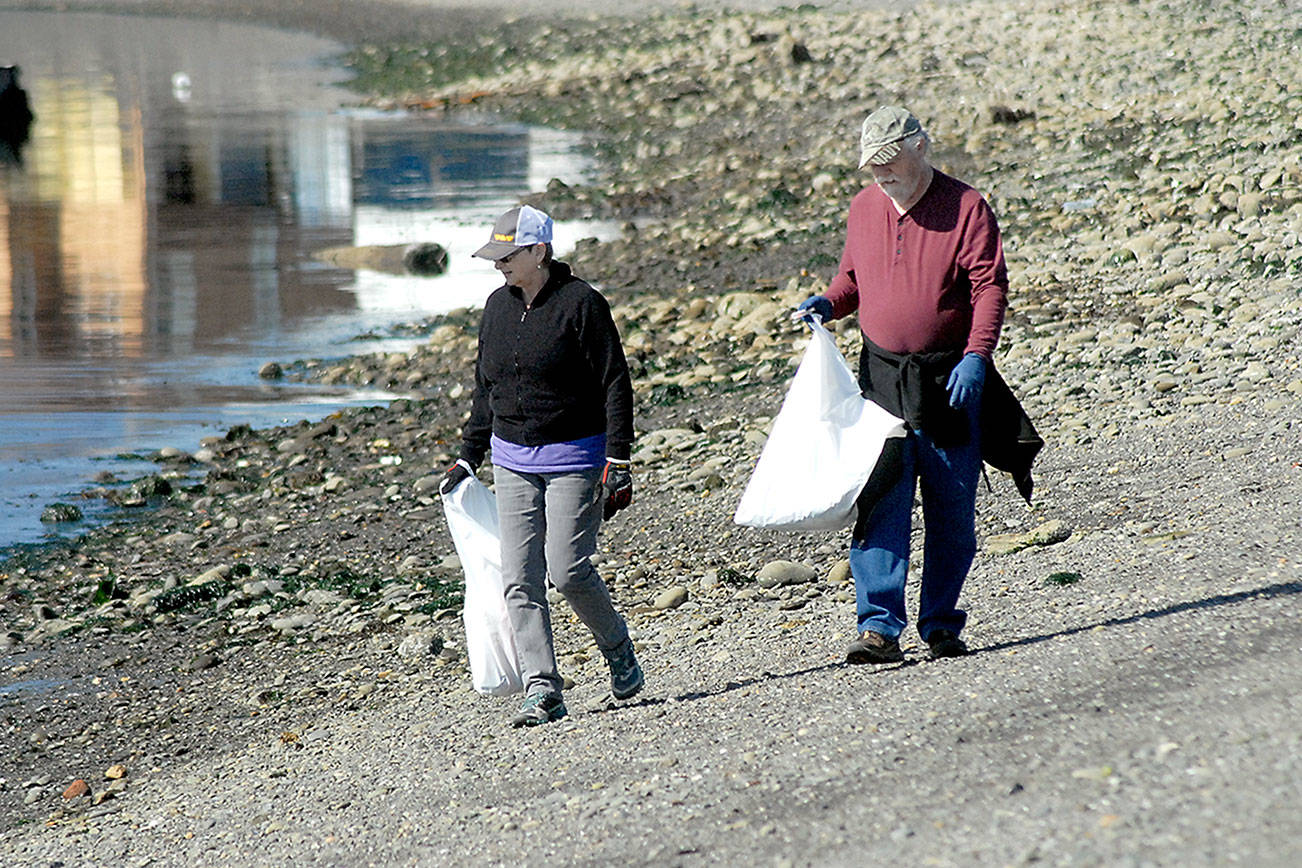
(1048, 533)
(840, 572)
(202, 662)
(419, 646)
(60, 512)
(670, 598)
(150, 486)
(115, 772)
(293, 623)
(1164, 384)
(705, 477)
(427, 484)
(261, 587)
(52, 627)
(217, 573)
(425, 259)
(780, 572)
(321, 598)
(76, 790)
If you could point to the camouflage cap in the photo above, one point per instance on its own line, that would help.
(883, 130)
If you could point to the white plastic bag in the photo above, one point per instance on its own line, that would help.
(822, 448)
(471, 511)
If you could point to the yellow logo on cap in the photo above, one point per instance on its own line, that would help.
(497, 236)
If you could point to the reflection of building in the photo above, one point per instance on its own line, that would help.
(84, 224)
(227, 247)
(141, 225)
(181, 174)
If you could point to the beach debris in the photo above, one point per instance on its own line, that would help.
(421, 259)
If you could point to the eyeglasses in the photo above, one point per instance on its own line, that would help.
(512, 255)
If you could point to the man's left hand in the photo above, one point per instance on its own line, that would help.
(617, 487)
(814, 306)
(966, 380)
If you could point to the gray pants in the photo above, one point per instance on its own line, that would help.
(548, 524)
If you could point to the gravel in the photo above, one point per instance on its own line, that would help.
(267, 665)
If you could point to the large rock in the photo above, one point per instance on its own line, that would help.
(776, 573)
(670, 598)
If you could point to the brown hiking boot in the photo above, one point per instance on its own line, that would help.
(945, 643)
(873, 647)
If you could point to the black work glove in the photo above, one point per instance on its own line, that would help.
(617, 487)
(455, 475)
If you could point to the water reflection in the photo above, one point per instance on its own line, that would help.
(153, 220)
(15, 117)
(411, 165)
(158, 226)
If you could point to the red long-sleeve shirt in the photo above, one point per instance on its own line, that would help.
(929, 280)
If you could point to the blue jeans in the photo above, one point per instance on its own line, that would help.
(548, 524)
(879, 560)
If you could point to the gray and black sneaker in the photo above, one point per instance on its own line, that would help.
(539, 708)
(945, 643)
(873, 647)
(625, 674)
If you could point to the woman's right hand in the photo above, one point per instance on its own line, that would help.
(617, 486)
(455, 475)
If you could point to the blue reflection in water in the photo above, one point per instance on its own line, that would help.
(403, 167)
(159, 236)
(34, 686)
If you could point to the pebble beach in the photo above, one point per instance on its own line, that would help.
(268, 664)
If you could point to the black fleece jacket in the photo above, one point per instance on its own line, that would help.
(550, 372)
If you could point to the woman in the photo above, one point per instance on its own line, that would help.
(554, 402)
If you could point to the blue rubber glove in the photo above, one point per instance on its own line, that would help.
(966, 380)
(814, 306)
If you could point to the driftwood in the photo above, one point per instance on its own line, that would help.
(423, 259)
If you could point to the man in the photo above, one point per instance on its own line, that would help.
(924, 268)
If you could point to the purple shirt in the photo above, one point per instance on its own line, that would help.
(567, 457)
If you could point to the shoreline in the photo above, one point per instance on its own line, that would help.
(277, 662)
(398, 21)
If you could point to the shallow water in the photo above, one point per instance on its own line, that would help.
(158, 232)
